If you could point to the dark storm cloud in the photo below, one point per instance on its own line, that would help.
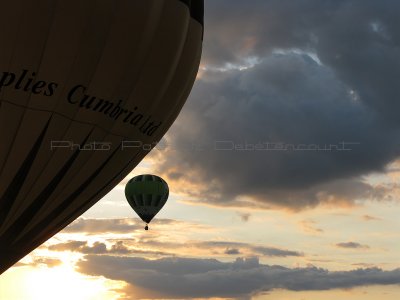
(181, 278)
(333, 29)
(287, 101)
(352, 245)
(322, 110)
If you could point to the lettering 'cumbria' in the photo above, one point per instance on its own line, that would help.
(77, 96)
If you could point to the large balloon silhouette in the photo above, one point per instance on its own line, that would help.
(146, 194)
(87, 88)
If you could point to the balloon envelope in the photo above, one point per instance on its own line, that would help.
(87, 87)
(146, 194)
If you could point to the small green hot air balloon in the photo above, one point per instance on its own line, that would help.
(146, 194)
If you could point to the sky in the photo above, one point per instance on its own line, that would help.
(283, 170)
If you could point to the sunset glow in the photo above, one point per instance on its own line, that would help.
(283, 170)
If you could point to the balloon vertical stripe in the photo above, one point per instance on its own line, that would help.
(38, 203)
(15, 186)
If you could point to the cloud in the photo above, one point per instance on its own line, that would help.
(80, 246)
(101, 248)
(303, 122)
(37, 261)
(48, 261)
(232, 251)
(119, 225)
(352, 245)
(164, 242)
(364, 265)
(267, 251)
(96, 226)
(251, 249)
(182, 278)
(119, 248)
(310, 227)
(245, 217)
(255, 106)
(218, 248)
(370, 218)
(165, 248)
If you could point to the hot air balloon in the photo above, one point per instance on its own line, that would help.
(146, 194)
(87, 88)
